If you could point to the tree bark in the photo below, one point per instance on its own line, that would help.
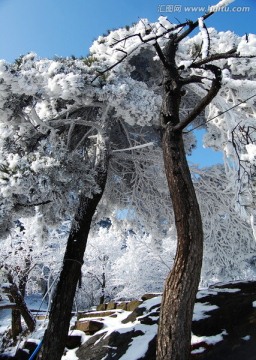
(15, 296)
(16, 323)
(16, 314)
(57, 331)
(174, 333)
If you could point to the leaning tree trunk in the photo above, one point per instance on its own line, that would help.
(15, 296)
(16, 314)
(55, 337)
(174, 333)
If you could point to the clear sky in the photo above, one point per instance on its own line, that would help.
(68, 27)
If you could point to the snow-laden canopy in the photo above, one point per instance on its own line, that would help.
(55, 113)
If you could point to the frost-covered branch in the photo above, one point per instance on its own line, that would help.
(135, 147)
(206, 38)
(206, 100)
(228, 55)
(61, 122)
(34, 204)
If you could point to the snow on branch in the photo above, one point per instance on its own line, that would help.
(151, 36)
(206, 38)
(227, 55)
(221, 4)
(68, 121)
(7, 305)
(135, 147)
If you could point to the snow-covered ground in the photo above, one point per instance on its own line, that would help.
(138, 345)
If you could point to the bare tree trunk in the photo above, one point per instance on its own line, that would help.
(103, 288)
(15, 296)
(174, 333)
(56, 334)
(16, 323)
(16, 314)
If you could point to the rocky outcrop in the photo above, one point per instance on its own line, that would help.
(124, 305)
(112, 347)
(89, 327)
(232, 321)
(224, 328)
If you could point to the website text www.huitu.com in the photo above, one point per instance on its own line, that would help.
(201, 9)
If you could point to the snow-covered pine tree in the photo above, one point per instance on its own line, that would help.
(43, 99)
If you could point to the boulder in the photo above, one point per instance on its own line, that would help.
(234, 316)
(233, 307)
(149, 319)
(111, 306)
(95, 314)
(89, 327)
(132, 305)
(140, 310)
(111, 347)
(101, 307)
(149, 296)
(73, 341)
(224, 325)
(121, 305)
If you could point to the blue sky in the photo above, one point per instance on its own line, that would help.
(65, 27)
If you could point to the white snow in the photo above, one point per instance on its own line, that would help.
(210, 340)
(70, 355)
(198, 351)
(200, 310)
(251, 153)
(247, 46)
(6, 285)
(4, 303)
(139, 344)
(135, 147)
(246, 338)
(221, 4)
(148, 304)
(205, 39)
(228, 290)
(203, 293)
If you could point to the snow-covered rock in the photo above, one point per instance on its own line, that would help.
(223, 328)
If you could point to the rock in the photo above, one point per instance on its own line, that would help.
(149, 296)
(136, 313)
(95, 314)
(73, 341)
(21, 355)
(234, 314)
(234, 306)
(30, 346)
(6, 357)
(41, 317)
(132, 305)
(89, 327)
(111, 306)
(149, 319)
(111, 347)
(121, 305)
(101, 307)
(151, 352)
